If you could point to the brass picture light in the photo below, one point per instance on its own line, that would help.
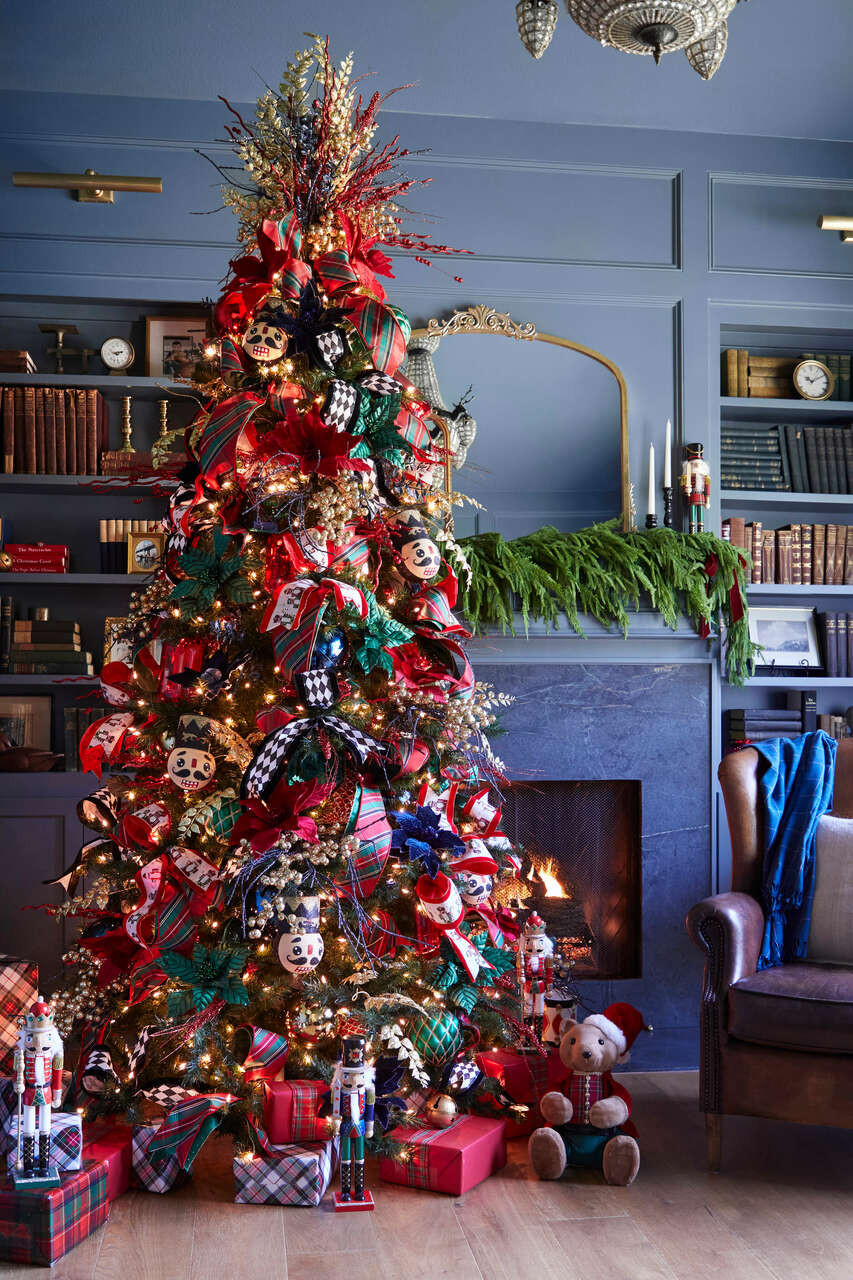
(89, 187)
(841, 222)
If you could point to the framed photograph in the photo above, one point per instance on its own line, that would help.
(787, 636)
(116, 649)
(144, 550)
(26, 722)
(173, 345)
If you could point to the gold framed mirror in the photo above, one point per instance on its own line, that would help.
(564, 382)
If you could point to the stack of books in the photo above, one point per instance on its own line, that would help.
(47, 648)
(770, 377)
(16, 361)
(113, 540)
(796, 555)
(77, 721)
(802, 459)
(53, 431)
(835, 725)
(38, 557)
(752, 457)
(836, 636)
(760, 724)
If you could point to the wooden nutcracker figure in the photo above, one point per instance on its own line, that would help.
(353, 1096)
(535, 970)
(696, 485)
(38, 1084)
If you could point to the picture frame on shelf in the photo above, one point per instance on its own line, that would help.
(116, 647)
(26, 722)
(174, 345)
(144, 550)
(787, 636)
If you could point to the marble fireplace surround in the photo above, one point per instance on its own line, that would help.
(605, 709)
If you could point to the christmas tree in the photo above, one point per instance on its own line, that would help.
(296, 836)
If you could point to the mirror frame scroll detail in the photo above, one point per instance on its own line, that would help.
(483, 319)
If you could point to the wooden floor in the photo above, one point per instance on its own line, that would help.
(781, 1209)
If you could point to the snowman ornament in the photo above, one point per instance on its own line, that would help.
(190, 765)
(301, 948)
(420, 558)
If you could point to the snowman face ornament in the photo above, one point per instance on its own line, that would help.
(190, 768)
(474, 890)
(421, 558)
(265, 342)
(300, 953)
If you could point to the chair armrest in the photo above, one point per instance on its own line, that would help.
(729, 928)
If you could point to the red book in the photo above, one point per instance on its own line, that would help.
(92, 430)
(20, 462)
(39, 413)
(58, 548)
(70, 433)
(9, 430)
(59, 414)
(49, 431)
(81, 432)
(30, 430)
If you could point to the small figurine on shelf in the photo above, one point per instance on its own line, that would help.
(353, 1096)
(535, 970)
(38, 1084)
(696, 485)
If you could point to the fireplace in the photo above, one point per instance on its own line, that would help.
(583, 872)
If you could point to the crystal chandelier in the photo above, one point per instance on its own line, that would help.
(637, 26)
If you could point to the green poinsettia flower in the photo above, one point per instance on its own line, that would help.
(213, 572)
(381, 633)
(209, 974)
(375, 422)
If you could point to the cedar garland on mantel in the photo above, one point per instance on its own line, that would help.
(604, 572)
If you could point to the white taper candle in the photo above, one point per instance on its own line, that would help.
(667, 457)
(651, 506)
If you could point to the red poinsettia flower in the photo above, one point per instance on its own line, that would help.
(303, 440)
(264, 823)
(249, 269)
(367, 261)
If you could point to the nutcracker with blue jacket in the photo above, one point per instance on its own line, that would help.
(353, 1096)
(534, 970)
(38, 1084)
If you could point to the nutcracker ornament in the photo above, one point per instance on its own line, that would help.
(535, 971)
(38, 1084)
(353, 1096)
(696, 485)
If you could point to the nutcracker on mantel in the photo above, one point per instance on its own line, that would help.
(353, 1097)
(535, 970)
(696, 485)
(38, 1064)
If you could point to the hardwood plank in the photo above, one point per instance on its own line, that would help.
(508, 1234)
(420, 1235)
(150, 1237)
(614, 1249)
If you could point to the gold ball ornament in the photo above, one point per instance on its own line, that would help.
(441, 1111)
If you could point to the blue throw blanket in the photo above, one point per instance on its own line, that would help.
(795, 782)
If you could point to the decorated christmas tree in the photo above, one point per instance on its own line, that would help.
(297, 833)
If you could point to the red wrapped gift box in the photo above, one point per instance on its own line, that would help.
(19, 980)
(111, 1144)
(451, 1160)
(290, 1111)
(41, 1226)
(525, 1077)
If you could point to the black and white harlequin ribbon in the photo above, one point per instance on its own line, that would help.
(266, 768)
(340, 408)
(139, 1049)
(317, 687)
(381, 383)
(462, 1076)
(168, 1095)
(330, 346)
(97, 1071)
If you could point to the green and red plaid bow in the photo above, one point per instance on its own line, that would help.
(267, 1054)
(188, 1126)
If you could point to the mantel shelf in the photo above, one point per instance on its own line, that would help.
(649, 640)
(787, 590)
(111, 388)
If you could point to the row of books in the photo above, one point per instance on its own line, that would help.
(33, 647)
(835, 725)
(797, 555)
(748, 373)
(758, 724)
(77, 721)
(791, 457)
(835, 632)
(114, 536)
(37, 557)
(53, 431)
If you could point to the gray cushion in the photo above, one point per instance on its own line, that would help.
(831, 932)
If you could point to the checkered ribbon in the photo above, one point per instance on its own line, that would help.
(267, 1055)
(462, 1075)
(18, 990)
(188, 1126)
(329, 347)
(66, 1141)
(168, 1095)
(266, 768)
(155, 1175)
(381, 383)
(340, 408)
(318, 687)
(415, 1159)
(139, 1049)
(42, 1228)
(98, 1069)
(293, 1175)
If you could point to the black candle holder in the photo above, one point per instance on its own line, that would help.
(651, 520)
(667, 506)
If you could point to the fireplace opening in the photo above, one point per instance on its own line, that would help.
(582, 873)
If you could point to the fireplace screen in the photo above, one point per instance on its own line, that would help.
(583, 870)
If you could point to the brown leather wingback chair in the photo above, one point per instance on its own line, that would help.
(776, 1043)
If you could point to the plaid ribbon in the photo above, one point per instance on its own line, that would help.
(224, 434)
(267, 1055)
(369, 822)
(18, 990)
(416, 1162)
(66, 1141)
(305, 1097)
(294, 648)
(293, 1175)
(42, 1227)
(188, 1126)
(156, 1175)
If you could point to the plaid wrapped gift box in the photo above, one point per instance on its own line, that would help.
(290, 1111)
(111, 1143)
(8, 1109)
(158, 1172)
(41, 1226)
(451, 1160)
(66, 1141)
(525, 1077)
(19, 981)
(286, 1175)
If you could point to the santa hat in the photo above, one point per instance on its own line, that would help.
(621, 1023)
(479, 864)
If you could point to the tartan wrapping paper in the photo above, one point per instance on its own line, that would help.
(66, 1141)
(41, 1226)
(154, 1174)
(294, 1175)
(19, 980)
(451, 1160)
(8, 1110)
(290, 1111)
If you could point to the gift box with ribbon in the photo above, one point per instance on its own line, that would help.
(18, 990)
(451, 1160)
(155, 1171)
(290, 1174)
(66, 1141)
(41, 1226)
(290, 1111)
(8, 1110)
(525, 1077)
(111, 1145)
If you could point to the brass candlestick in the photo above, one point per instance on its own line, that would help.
(126, 426)
(164, 412)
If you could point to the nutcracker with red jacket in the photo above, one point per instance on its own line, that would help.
(534, 968)
(353, 1097)
(696, 485)
(38, 1083)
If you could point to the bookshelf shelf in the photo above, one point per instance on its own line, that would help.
(787, 590)
(776, 498)
(804, 681)
(75, 579)
(109, 387)
(788, 410)
(87, 486)
(22, 682)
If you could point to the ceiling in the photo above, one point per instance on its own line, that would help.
(786, 72)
